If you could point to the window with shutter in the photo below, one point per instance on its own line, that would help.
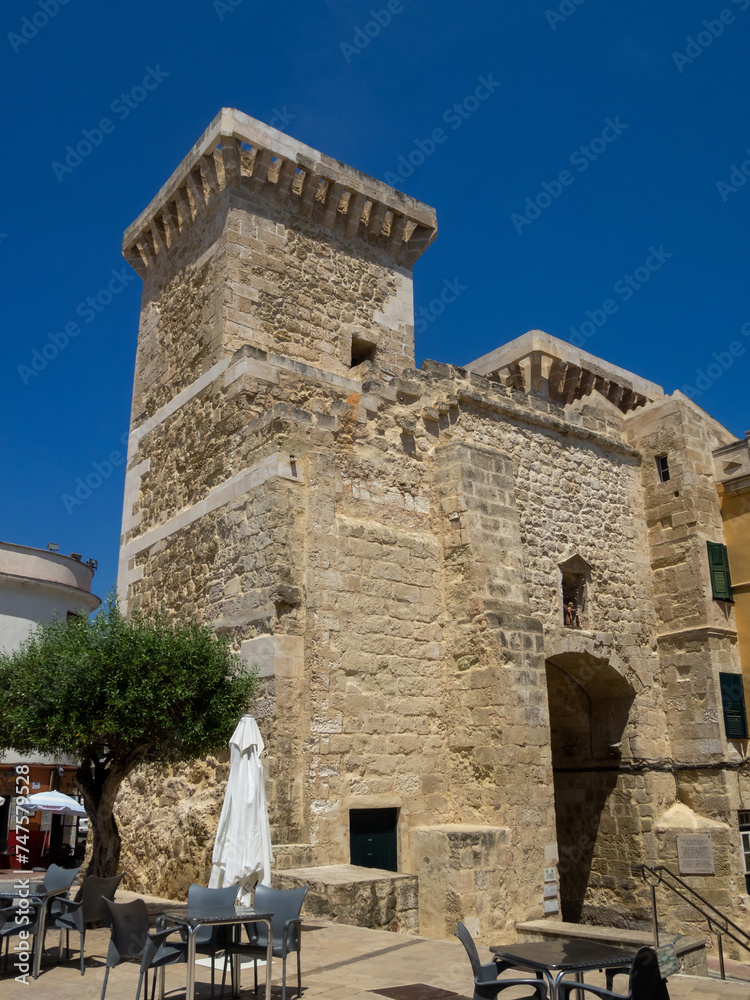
(733, 703)
(744, 818)
(718, 564)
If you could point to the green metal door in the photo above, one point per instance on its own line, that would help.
(372, 838)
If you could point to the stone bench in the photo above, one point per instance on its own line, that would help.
(365, 897)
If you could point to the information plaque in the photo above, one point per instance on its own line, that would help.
(695, 854)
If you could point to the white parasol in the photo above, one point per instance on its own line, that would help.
(53, 802)
(242, 851)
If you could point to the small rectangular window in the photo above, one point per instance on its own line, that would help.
(362, 350)
(662, 466)
(718, 565)
(733, 704)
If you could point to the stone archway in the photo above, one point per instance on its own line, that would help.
(589, 704)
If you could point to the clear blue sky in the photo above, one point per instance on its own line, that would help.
(551, 76)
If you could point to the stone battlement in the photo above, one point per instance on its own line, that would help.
(236, 148)
(543, 365)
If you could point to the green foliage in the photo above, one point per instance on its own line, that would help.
(121, 690)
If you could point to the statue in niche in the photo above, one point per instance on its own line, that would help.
(572, 620)
(575, 574)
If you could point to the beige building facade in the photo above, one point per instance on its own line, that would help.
(479, 598)
(39, 585)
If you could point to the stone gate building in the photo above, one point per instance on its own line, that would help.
(394, 549)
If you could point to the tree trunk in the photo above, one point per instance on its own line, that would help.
(106, 846)
(99, 786)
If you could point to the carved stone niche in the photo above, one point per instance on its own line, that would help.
(575, 582)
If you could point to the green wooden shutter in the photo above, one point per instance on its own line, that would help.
(733, 703)
(718, 565)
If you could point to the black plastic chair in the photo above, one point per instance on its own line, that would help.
(131, 939)
(285, 905)
(211, 940)
(486, 984)
(645, 983)
(14, 920)
(58, 878)
(91, 908)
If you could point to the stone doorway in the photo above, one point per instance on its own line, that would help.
(373, 838)
(589, 704)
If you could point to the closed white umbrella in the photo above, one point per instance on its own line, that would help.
(242, 852)
(53, 802)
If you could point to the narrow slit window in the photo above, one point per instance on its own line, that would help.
(662, 466)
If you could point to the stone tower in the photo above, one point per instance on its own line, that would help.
(393, 550)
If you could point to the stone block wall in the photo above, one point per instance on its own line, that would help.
(291, 291)
(474, 866)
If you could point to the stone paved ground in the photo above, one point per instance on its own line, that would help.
(339, 963)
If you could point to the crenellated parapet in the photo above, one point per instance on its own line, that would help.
(539, 364)
(237, 151)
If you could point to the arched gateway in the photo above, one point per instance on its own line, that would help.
(589, 703)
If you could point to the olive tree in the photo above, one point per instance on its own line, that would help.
(114, 692)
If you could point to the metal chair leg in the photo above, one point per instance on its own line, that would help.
(224, 975)
(104, 985)
(228, 959)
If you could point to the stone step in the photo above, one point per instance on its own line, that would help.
(350, 894)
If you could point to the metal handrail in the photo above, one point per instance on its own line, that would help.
(718, 922)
